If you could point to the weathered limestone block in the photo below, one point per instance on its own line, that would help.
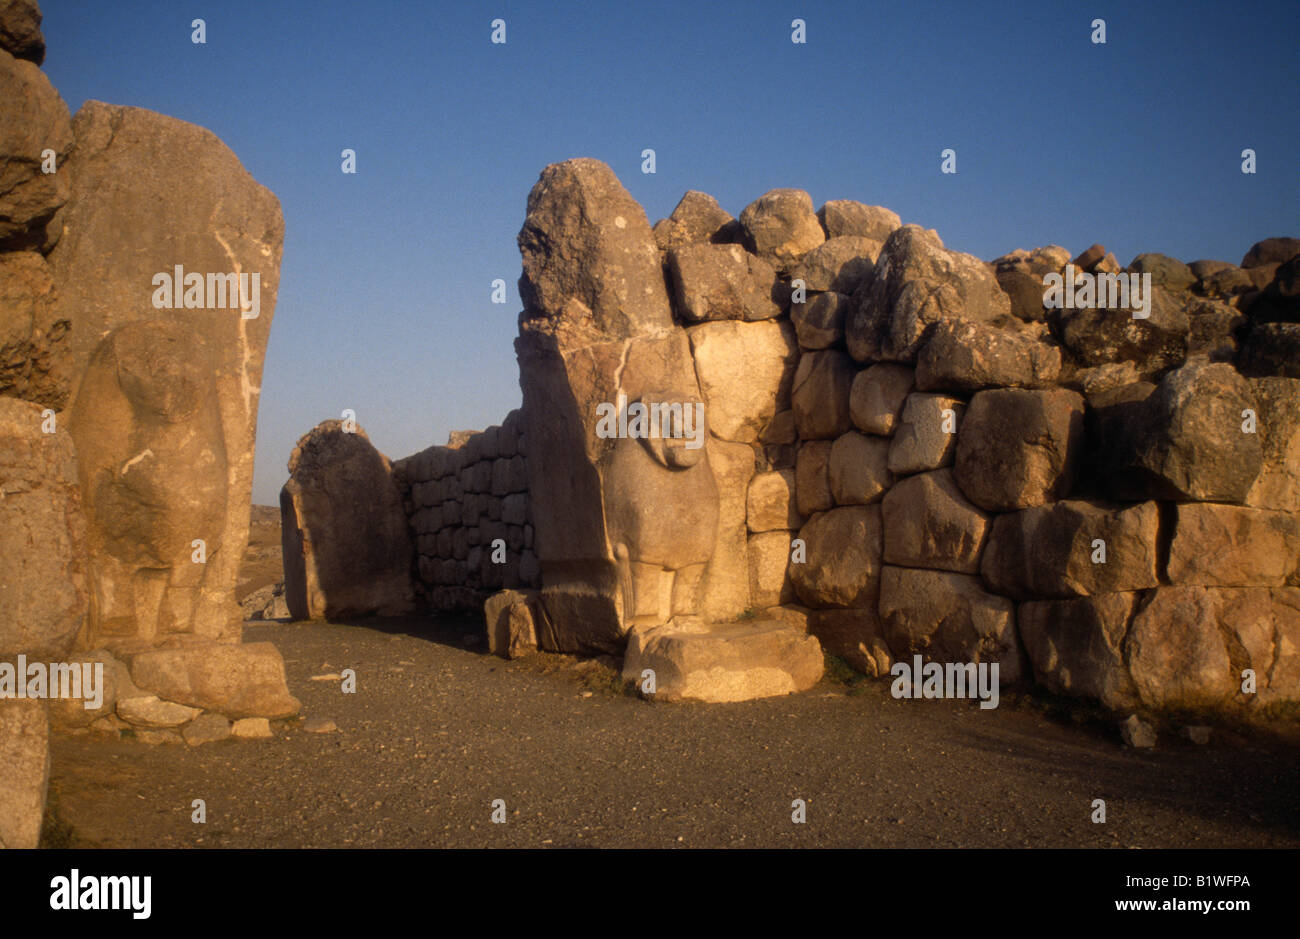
(1053, 551)
(929, 523)
(20, 30)
(917, 282)
(725, 586)
(858, 469)
(843, 557)
(839, 264)
(947, 617)
(821, 394)
(1019, 448)
(769, 560)
(33, 118)
(1103, 335)
(964, 356)
(697, 219)
(770, 502)
(857, 636)
(781, 227)
(813, 477)
(347, 549)
(1278, 424)
(926, 434)
(1077, 646)
(745, 372)
(1233, 546)
(1182, 439)
(167, 405)
(25, 756)
(734, 662)
(238, 681)
(819, 320)
(721, 282)
(512, 617)
(877, 397)
(43, 585)
(841, 217)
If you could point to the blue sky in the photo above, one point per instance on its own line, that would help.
(384, 303)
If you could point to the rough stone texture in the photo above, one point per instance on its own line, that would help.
(1278, 424)
(923, 439)
(1178, 655)
(843, 558)
(840, 264)
(929, 523)
(821, 394)
(948, 617)
(206, 728)
(1182, 440)
(33, 118)
(813, 477)
(589, 253)
(735, 662)
(819, 322)
(721, 282)
(1232, 546)
(844, 217)
(1137, 732)
(1100, 335)
(965, 356)
(1048, 551)
(745, 373)
(697, 219)
(769, 559)
(1166, 272)
(20, 30)
(152, 713)
(770, 502)
(918, 282)
(877, 396)
(43, 586)
(856, 636)
(166, 412)
(72, 712)
(25, 756)
(1077, 646)
(1271, 349)
(237, 680)
(33, 347)
(347, 551)
(512, 617)
(858, 469)
(724, 591)
(1271, 251)
(252, 728)
(781, 227)
(1019, 448)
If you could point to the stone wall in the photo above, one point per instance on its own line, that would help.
(468, 512)
(909, 452)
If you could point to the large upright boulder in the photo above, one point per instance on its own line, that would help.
(918, 282)
(347, 551)
(20, 30)
(597, 337)
(171, 378)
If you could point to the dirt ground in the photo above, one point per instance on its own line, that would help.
(437, 730)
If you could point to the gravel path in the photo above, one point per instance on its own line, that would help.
(438, 730)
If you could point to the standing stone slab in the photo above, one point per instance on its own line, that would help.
(25, 756)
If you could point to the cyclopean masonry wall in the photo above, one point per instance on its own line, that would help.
(126, 429)
(912, 456)
(468, 513)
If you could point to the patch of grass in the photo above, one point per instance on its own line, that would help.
(749, 614)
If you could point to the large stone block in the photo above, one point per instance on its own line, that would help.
(33, 119)
(813, 477)
(843, 552)
(731, 662)
(858, 470)
(781, 227)
(856, 636)
(963, 355)
(929, 523)
(25, 756)
(1053, 550)
(745, 372)
(926, 435)
(512, 617)
(1077, 646)
(821, 394)
(770, 502)
(877, 397)
(347, 550)
(1233, 546)
(239, 681)
(1019, 448)
(33, 339)
(947, 617)
(769, 561)
(721, 282)
(1278, 424)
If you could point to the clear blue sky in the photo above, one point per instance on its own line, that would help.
(384, 303)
